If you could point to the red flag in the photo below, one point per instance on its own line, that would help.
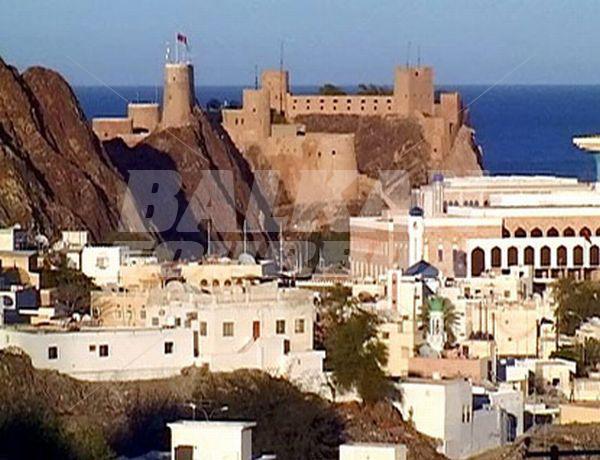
(182, 38)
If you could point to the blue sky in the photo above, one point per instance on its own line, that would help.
(341, 41)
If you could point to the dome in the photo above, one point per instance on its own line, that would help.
(415, 211)
(246, 259)
(436, 304)
(438, 177)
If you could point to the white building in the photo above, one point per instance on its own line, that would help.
(466, 226)
(102, 263)
(444, 410)
(204, 440)
(13, 238)
(229, 440)
(105, 354)
(253, 326)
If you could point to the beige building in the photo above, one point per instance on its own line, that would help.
(250, 326)
(472, 225)
(316, 164)
(143, 118)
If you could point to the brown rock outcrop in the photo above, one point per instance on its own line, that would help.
(397, 143)
(217, 185)
(54, 173)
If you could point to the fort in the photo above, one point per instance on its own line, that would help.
(268, 123)
(315, 166)
(144, 118)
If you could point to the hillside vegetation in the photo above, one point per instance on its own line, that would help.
(48, 415)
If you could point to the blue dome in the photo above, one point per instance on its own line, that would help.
(438, 177)
(415, 211)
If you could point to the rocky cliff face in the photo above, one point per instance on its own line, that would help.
(215, 184)
(396, 143)
(54, 173)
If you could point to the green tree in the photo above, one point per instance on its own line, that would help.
(576, 301)
(358, 356)
(290, 424)
(586, 355)
(450, 317)
(73, 288)
(374, 90)
(329, 89)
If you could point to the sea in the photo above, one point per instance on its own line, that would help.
(521, 129)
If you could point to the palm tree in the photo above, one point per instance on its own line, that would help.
(450, 316)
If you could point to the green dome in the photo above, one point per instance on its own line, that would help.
(435, 304)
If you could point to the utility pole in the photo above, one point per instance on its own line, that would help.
(281, 78)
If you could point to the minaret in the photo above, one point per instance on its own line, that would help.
(178, 93)
(436, 337)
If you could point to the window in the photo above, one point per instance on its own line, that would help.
(385, 335)
(92, 348)
(103, 351)
(178, 322)
(280, 326)
(228, 329)
(52, 352)
(168, 348)
(440, 253)
(155, 321)
(299, 326)
(143, 314)
(203, 328)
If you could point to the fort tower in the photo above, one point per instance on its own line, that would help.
(178, 94)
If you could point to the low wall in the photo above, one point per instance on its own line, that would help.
(474, 369)
(579, 413)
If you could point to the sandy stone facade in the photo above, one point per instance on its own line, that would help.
(467, 226)
(146, 117)
(266, 123)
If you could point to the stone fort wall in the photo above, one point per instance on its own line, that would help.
(144, 118)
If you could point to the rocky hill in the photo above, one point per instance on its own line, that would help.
(55, 174)
(215, 183)
(53, 170)
(48, 415)
(397, 143)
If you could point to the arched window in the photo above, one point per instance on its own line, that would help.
(578, 256)
(477, 262)
(520, 233)
(595, 256)
(513, 256)
(529, 256)
(496, 257)
(204, 283)
(585, 232)
(552, 232)
(216, 283)
(569, 231)
(561, 256)
(505, 233)
(545, 256)
(536, 233)
(598, 231)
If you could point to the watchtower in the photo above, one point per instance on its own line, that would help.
(278, 84)
(178, 94)
(413, 90)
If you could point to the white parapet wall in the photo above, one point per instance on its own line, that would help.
(372, 451)
(105, 354)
